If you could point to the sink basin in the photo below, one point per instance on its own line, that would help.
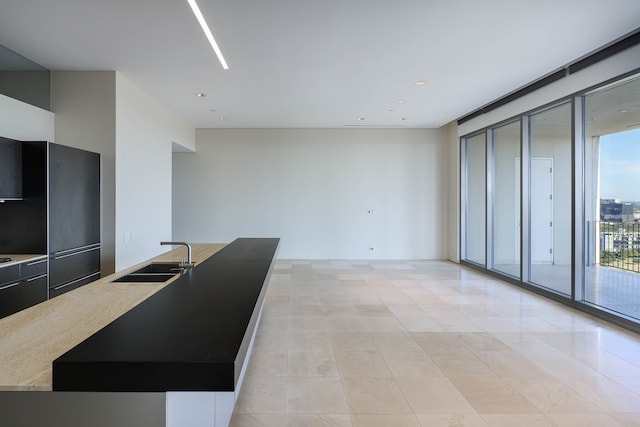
(147, 278)
(159, 267)
(156, 272)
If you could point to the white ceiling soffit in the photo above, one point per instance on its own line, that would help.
(317, 64)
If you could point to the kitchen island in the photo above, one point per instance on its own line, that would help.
(171, 347)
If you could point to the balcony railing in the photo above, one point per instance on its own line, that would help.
(614, 244)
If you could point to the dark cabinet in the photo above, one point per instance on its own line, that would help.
(23, 223)
(9, 290)
(22, 286)
(10, 169)
(74, 218)
(33, 283)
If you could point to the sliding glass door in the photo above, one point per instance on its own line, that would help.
(506, 198)
(612, 198)
(550, 198)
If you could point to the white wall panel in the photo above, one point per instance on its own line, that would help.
(145, 131)
(314, 188)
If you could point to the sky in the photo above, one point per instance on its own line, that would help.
(620, 166)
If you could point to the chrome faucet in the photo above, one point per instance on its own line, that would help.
(183, 264)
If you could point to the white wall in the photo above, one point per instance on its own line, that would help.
(84, 107)
(145, 131)
(105, 113)
(313, 189)
(25, 122)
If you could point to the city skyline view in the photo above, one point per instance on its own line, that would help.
(620, 166)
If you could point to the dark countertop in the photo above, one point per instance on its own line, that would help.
(192, 335)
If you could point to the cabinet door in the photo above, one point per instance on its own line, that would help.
(69, 266)
(10, 169)
(33, 291)
(9, 290)
(74, 198)
(33, 268)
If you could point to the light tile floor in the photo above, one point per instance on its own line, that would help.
(429, 343)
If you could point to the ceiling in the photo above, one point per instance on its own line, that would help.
(317, 63)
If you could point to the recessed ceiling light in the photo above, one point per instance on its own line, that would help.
(623, 111)
(223, 118)
(399, 101)
(207, 32)
(421, 83)
(402, 119)
(361, 119)
(201, 94)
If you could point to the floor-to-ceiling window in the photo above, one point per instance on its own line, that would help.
(475, 206)
(550, 198)
(612, 197)
(506, 198)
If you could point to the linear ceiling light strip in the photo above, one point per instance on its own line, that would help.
(207, 32)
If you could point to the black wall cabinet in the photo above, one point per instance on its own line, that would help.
(74, 218)
(10, 169)
(23, 228)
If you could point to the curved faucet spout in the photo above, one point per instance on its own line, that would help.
(189, 262)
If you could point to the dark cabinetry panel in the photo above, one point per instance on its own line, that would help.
(74, 218)
(33, 283)
(69, 286)
(9, 290)
(22, 286)
(24, 222)
(10, 169)
(70, 266)
(74, 198)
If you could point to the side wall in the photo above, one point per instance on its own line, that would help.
(314, 188)
(84, 107)
(105, 113)
(145, 131)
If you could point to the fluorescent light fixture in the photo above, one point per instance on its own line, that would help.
(207, 32)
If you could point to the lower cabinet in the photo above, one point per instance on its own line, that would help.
(33, 283)
(9, 290)
(22, 286)
(72, 268)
